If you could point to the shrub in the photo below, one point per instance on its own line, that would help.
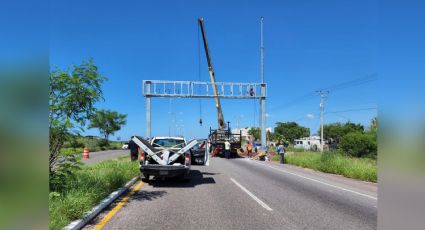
(335, 162)
(103, 143)
(65, 171)
(275, 158)
(86, 187)
(71, 151)
(358, 144)
(291, 148)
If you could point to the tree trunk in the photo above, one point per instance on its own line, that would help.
(107, 138)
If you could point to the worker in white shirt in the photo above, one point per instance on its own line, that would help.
(227, 149)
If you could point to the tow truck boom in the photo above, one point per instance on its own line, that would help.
(221, 123)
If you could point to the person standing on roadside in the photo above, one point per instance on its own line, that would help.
(227, 149)
(281, 152)
(133, 149)
(249, 149)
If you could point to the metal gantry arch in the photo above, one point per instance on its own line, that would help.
(197, 89)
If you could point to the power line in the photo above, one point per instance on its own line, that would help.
(352, 110)
(336, 87)
(335, 112)
(352, 83)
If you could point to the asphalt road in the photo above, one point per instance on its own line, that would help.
(247, 194)
(105, 155)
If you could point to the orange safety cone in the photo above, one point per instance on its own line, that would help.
(86, 154)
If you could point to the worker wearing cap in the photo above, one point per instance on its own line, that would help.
(227, 149)
(281, 152)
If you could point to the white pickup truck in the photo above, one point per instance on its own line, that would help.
(164, 157)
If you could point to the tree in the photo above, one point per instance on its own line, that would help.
(335, 131)
(374, 124)
(72, 95)
(269, 135)
(374, 129)
(255, 132)
(291, 131)
(108, 122)
(279, 138)
(359, 144)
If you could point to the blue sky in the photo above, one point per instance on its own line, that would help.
(309, 45)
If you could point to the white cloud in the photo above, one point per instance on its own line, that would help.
(268, 115)
(310, 116)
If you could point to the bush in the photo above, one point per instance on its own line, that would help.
(87, 187)
(291, 148)
(103, 143)
(335, 162)
(359, 144)
(65, 171)
(71, 151)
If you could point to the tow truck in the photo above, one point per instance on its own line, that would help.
(164, 157)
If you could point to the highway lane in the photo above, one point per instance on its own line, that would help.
(246, 194)
(105, 155)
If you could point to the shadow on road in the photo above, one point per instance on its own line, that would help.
(147, 195)
(196, 177)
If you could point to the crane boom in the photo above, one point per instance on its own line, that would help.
(221, 123)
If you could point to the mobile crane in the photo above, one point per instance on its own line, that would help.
(218, 136)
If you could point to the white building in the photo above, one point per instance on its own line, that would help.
(307, 143)
(245, 133)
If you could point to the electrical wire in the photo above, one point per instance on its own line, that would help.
(336, 87)
(336, 112)
(352, 110)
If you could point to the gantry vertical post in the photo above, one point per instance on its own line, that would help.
(263, 116)
(148, 109)
(263, 95)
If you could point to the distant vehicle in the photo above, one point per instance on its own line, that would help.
(125, 146)
(218, 137)
(198, 152)
(164, 157)
(307, 143)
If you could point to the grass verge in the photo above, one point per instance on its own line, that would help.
(79, 150)
(90, 185)
(334, 162)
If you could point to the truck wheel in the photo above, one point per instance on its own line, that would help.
(145, 177)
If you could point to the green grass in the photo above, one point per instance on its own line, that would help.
(71, 150)
(75, 144)
(90, 185)
(334, 162)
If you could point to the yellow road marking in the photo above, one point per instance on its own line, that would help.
(118, 207)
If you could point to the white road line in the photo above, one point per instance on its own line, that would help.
(321, 182)
(264, 205)
(208, 160)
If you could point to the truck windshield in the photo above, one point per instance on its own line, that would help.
(167, 143)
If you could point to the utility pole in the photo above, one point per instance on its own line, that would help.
(262, 52)
(263, 94)
(323, 95)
